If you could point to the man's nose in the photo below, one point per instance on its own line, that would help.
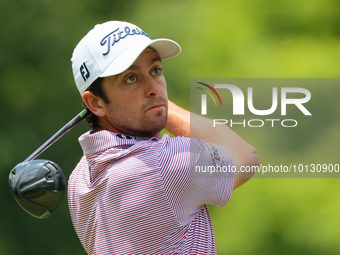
(152, 88)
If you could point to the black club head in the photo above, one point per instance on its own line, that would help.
(38, 186)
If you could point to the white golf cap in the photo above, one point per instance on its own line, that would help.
(111, 48)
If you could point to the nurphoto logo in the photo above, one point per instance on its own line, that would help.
(280, 98)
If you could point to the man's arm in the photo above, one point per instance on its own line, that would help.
(243, 153)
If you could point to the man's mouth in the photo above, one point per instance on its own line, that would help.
(157, 107)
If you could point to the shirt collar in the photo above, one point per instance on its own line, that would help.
(94, 142)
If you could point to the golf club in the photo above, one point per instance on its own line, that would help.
(38, 185)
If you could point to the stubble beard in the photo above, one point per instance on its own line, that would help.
(137, 123)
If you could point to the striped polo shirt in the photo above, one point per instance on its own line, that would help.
(134, 195)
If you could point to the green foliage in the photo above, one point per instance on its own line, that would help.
(219, 39)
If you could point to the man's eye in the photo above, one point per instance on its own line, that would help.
(131, 79)
(157, 71)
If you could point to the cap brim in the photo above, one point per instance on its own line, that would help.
(166, 48)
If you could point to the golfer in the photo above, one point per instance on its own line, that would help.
(133, 191)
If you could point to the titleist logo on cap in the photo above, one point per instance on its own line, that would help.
(117, 35)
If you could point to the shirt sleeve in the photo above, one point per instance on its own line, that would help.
(213, 172)
(195, 173)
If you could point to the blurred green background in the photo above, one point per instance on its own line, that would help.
(237, 39)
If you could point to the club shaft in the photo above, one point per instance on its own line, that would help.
(59, 134)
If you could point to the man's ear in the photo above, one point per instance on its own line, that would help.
(94, 103)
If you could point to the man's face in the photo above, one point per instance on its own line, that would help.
(138, 100)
